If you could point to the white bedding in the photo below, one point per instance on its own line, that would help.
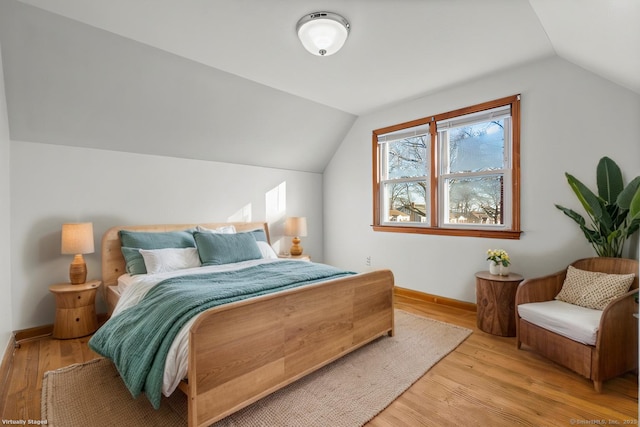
(125, 281)
(134, 288)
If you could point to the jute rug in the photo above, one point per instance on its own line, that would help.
(348, 392)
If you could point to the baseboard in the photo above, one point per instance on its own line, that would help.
(32, 333)
(5, 370)
(44, 331)
(421, 296)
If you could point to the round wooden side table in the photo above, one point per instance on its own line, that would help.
(496, 300)
(75, 309)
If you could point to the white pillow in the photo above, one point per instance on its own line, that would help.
(266, 250)
(169, 259)
(227, 229)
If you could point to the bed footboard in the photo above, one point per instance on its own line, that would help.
(241, 352)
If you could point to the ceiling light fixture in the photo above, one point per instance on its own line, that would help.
(323, 33)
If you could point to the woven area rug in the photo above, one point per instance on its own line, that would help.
(348, 392)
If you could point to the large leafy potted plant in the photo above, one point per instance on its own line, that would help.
(614, 213)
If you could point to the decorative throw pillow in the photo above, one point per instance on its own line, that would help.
(159, 240)
(258, 234)
(169, 259)
(133, 241)
(134, 261)
(217, 248)
(593, 289)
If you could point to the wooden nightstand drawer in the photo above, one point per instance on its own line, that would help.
(75, 299)
(75, 322)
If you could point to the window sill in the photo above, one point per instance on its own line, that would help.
(490, 234)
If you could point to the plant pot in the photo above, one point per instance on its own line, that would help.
(498, 269)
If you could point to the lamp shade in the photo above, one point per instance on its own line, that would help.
(77, 238)
(323, 33)
(295, 226)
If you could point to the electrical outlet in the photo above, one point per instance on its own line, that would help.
(368, 262)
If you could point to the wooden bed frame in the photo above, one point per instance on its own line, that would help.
(243, 351)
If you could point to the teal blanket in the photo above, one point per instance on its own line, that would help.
(138, 339)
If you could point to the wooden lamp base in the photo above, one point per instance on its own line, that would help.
(296, 249)
(78, 270)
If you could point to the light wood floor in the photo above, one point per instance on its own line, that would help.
(484, 382)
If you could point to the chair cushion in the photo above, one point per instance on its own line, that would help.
(592, 289)
(569, 320)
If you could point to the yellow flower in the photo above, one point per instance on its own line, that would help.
(498, 256)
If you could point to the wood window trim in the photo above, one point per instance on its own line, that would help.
(512, 233)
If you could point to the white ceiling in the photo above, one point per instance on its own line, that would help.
(397, 50)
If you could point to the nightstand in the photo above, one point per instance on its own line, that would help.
(302, 257)
(75, 309)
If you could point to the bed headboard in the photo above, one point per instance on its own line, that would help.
(113, 264)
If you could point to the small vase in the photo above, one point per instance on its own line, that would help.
(498, 269)
(494, 268)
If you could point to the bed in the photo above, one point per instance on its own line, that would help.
(242, 351)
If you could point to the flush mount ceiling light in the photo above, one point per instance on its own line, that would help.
(323, 33)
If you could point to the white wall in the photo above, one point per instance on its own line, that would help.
(6, 325)
(53, 184)
(570, 119)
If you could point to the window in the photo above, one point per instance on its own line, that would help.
(455, 173)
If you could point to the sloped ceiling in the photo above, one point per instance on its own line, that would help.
(602, 36)
(304, 105)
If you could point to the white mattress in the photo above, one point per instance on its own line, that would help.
(571, 321)
(134, 288)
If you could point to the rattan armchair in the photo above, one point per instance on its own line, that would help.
(616, 349)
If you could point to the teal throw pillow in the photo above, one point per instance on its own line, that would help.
(259, 235)
(217, 249)
(133, 241)
(134, 261)
(160, 240)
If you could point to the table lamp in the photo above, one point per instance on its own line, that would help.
(295, 226)
(77, 239)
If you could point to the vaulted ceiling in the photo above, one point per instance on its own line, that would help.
(397, 50)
